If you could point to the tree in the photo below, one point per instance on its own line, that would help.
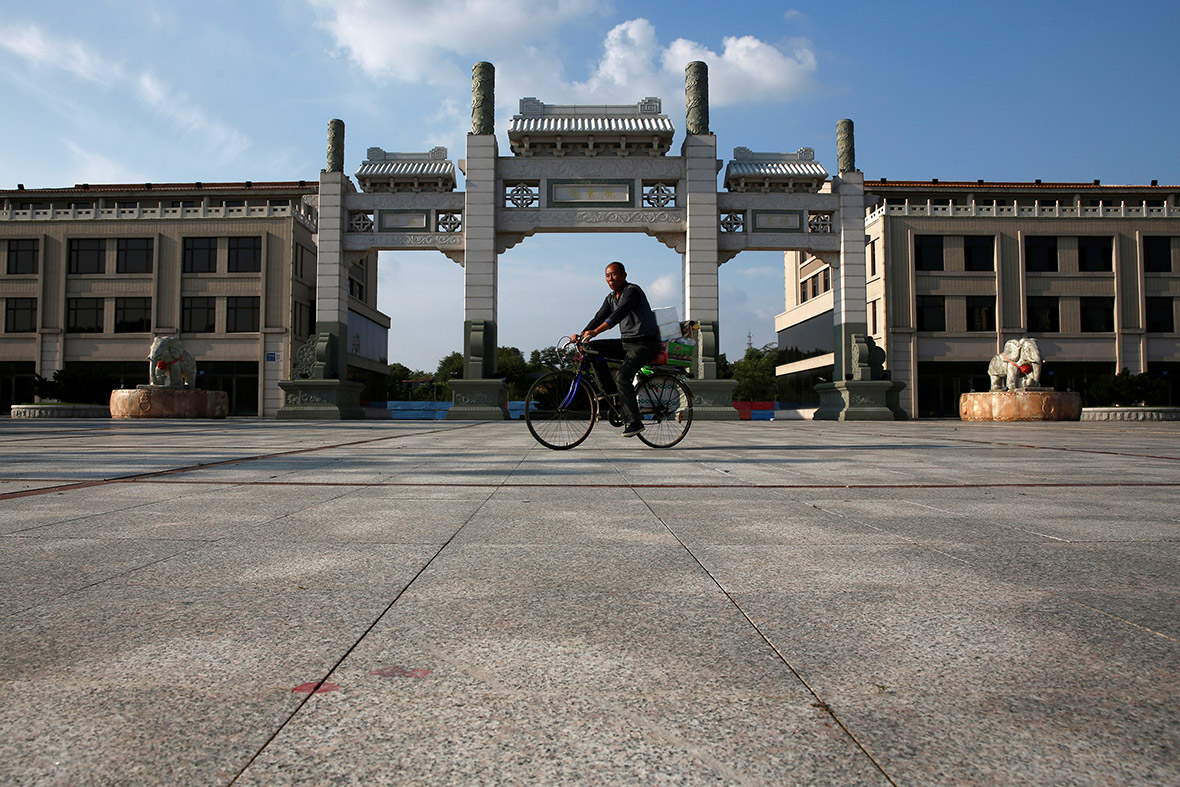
(398, 374)
(755, 375)
(1127, 389)
(549, 358)
(513, 370)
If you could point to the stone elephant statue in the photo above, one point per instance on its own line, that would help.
(1017, 366)
(170, 364)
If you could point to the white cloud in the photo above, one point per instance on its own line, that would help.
(38, 49)
(414, 41)
(436, 43)
(747, 69)
(91, 167)
(665, 290)
(190, 118)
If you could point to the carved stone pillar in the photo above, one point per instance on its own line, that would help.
(326, 393)
(480, 394)
(713, 397)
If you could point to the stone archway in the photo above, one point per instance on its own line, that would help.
(579, 169)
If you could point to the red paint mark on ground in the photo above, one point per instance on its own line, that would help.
(401, 672)
(315, 688)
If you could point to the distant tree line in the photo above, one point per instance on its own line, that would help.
(754, 373)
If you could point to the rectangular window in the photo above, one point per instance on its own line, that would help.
(931, 313)
(134, 255)
(245, 255)
(1094, 254)
(20, 315)
(184, 203)
(356, 289)
(22, 256)
(197, 315)
(1040, 254)
(873, 259)
(302, 319)
(802, 292)
(979, 253)
(928, 252)
(84, 315)
(827, 279)
(1157, 254)
(1160, 316)
(814, 286)
(88, 255)
(241, 314)
(981, 313)
(200, 255)
(1097, 314)
(133, 315)
(1043, 314)
(873, 318)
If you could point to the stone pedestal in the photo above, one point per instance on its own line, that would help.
(321, 400)
(478, 400)
(712, 400)
(1020, 405)
(859, 400)
(152, 401)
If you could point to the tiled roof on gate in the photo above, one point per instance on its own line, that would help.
(561, 129)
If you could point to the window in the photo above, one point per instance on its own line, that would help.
(1160, 316)
(196, 315)
(245, 255)
(981, 313)
(302, 325)
(827, 279)
(84, 315)
(133, 315)
(241, 314)
(1040, 254)
(200, 255)
(184, 203)
(127, 205)
(356, 289)
(979, 253)
(873, 318)
(1097, 314)
(1094, 254)
(928, 252)
(802, 292)
(872, 258)
(931, 313)
(134, 255)
(88, 255)
(22, 256)
(1157, 254)
(20, 315)
(1043, 314)
(233, 203)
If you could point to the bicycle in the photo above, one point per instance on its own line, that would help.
(562, 406)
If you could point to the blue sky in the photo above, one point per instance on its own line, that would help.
(126, 91)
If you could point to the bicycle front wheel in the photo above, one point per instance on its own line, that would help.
(665, 405)
(560, 410)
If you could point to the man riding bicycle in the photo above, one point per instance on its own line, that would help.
(625, 306)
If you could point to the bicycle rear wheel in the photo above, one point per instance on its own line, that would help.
(560, 410)
(665, 405)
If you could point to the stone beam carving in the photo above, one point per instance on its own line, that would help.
(403, 241)
(528, 221)
(646, 168)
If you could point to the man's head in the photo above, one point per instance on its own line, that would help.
(616, 276)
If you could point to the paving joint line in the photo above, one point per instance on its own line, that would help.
(819, 703)
(357, 643)
(140, 477)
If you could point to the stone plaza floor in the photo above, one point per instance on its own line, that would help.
(254, 602)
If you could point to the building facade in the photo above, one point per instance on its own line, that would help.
(953, 269)
(92, 273)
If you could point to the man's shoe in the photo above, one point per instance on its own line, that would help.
(632, 430)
